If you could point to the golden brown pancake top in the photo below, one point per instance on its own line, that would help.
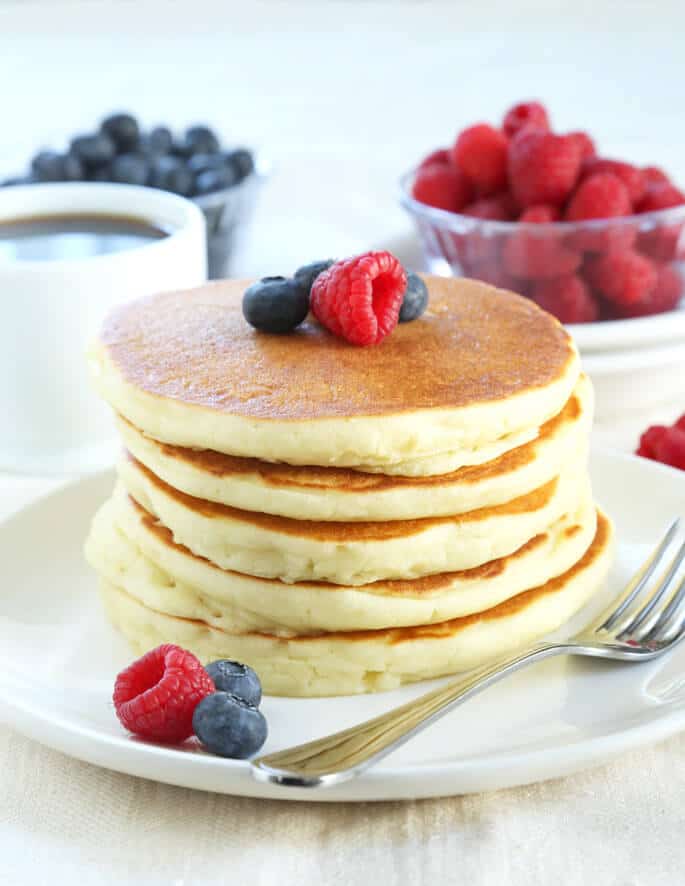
(474, 344)
(349, 480)
(344, 531)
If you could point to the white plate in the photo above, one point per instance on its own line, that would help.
(638, 332)
(58, 659)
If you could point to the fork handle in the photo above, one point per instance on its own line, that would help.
(341, 756)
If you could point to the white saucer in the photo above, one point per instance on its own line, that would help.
(58, 659)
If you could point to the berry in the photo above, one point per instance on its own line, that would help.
(171, 174)
(241, 162)
(540, 256)
(501, 207)
(359, 298)
(602, 195)
(307, 274)
(441, 157)
(415, 299)
(49, 166)
(236, 679)
(540, 215)
(155, 697)
(212, 180)
(662, 243)
(680, 424)
(623, 277)
(585, 143)
(665, 295)
(94, 151)
(568, 298)
(670, 448)
(649, 440)
(130, 169)
(495, 275)
(655, 176)
(275, 304)
(662, 196)
(123, 131)
(229, 726)
(526, 114)
(199, 140)
(442, 186)
(158, 141)
(631, 176)
(204, 162)
(480, 152)
(543, 168)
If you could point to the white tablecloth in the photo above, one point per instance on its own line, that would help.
(343, 95)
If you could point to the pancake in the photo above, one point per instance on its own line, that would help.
(128, 548)
(352, 553)
(338, 494)
(364, 661)
(480, 368)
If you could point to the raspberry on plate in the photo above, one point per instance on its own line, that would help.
(665, 295)
(359, 299)
(156, 696)
(543, 168)
(525, 114)
(442, 186)
(568, 298)
(481, 153)
(665, 444)
(632, 177)
(626, 278)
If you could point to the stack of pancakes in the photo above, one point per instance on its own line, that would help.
(346, 519)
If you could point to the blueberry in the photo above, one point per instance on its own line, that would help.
(236, 679)
(48, 166)
(241, 161)
(130, 169)
(123, 130)
(307, 274)
(73, 168)
(94, 151)
(158, 141)
(415, 298)
(199, 140)
(212, 180)
(100, 175)
(229, 726)
(275, 304)
(204, 162)
(171, 174)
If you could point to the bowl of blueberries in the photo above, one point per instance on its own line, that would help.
(223, 181)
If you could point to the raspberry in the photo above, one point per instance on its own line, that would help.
(538, 257)
(481, 153)
(602, 195)
(543, 168)
(568, 298)
(649, 440)
(662, 243)
(662, 196)
(440, 157)
(655, 176)
(526, 114)
(540, 215)
(665, 295)
(631, 176)
(495, 275)
(501, 207)
(585, 143)
(441, 186)
(669, 449)
(359, 298)
(680, 424)
(155, 697)
(623, 277)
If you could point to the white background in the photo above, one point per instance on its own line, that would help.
(342, 96)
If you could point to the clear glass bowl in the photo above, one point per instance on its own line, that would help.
(527, 258)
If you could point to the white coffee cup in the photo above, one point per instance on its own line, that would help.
(51, 420)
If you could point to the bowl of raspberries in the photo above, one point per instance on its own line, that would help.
(222, 179)
(545, 214)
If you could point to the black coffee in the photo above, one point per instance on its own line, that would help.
(56, 237)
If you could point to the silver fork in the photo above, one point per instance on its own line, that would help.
(646, 620)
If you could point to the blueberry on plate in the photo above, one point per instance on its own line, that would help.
(171, 174)
(130, 169)
(307, 274)
(123, 130)
(48, 166)
(236, 679)
(275, 304)
(199, 140)
(94, 151)
(229, 726)
(415, 298)
(241, 161)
